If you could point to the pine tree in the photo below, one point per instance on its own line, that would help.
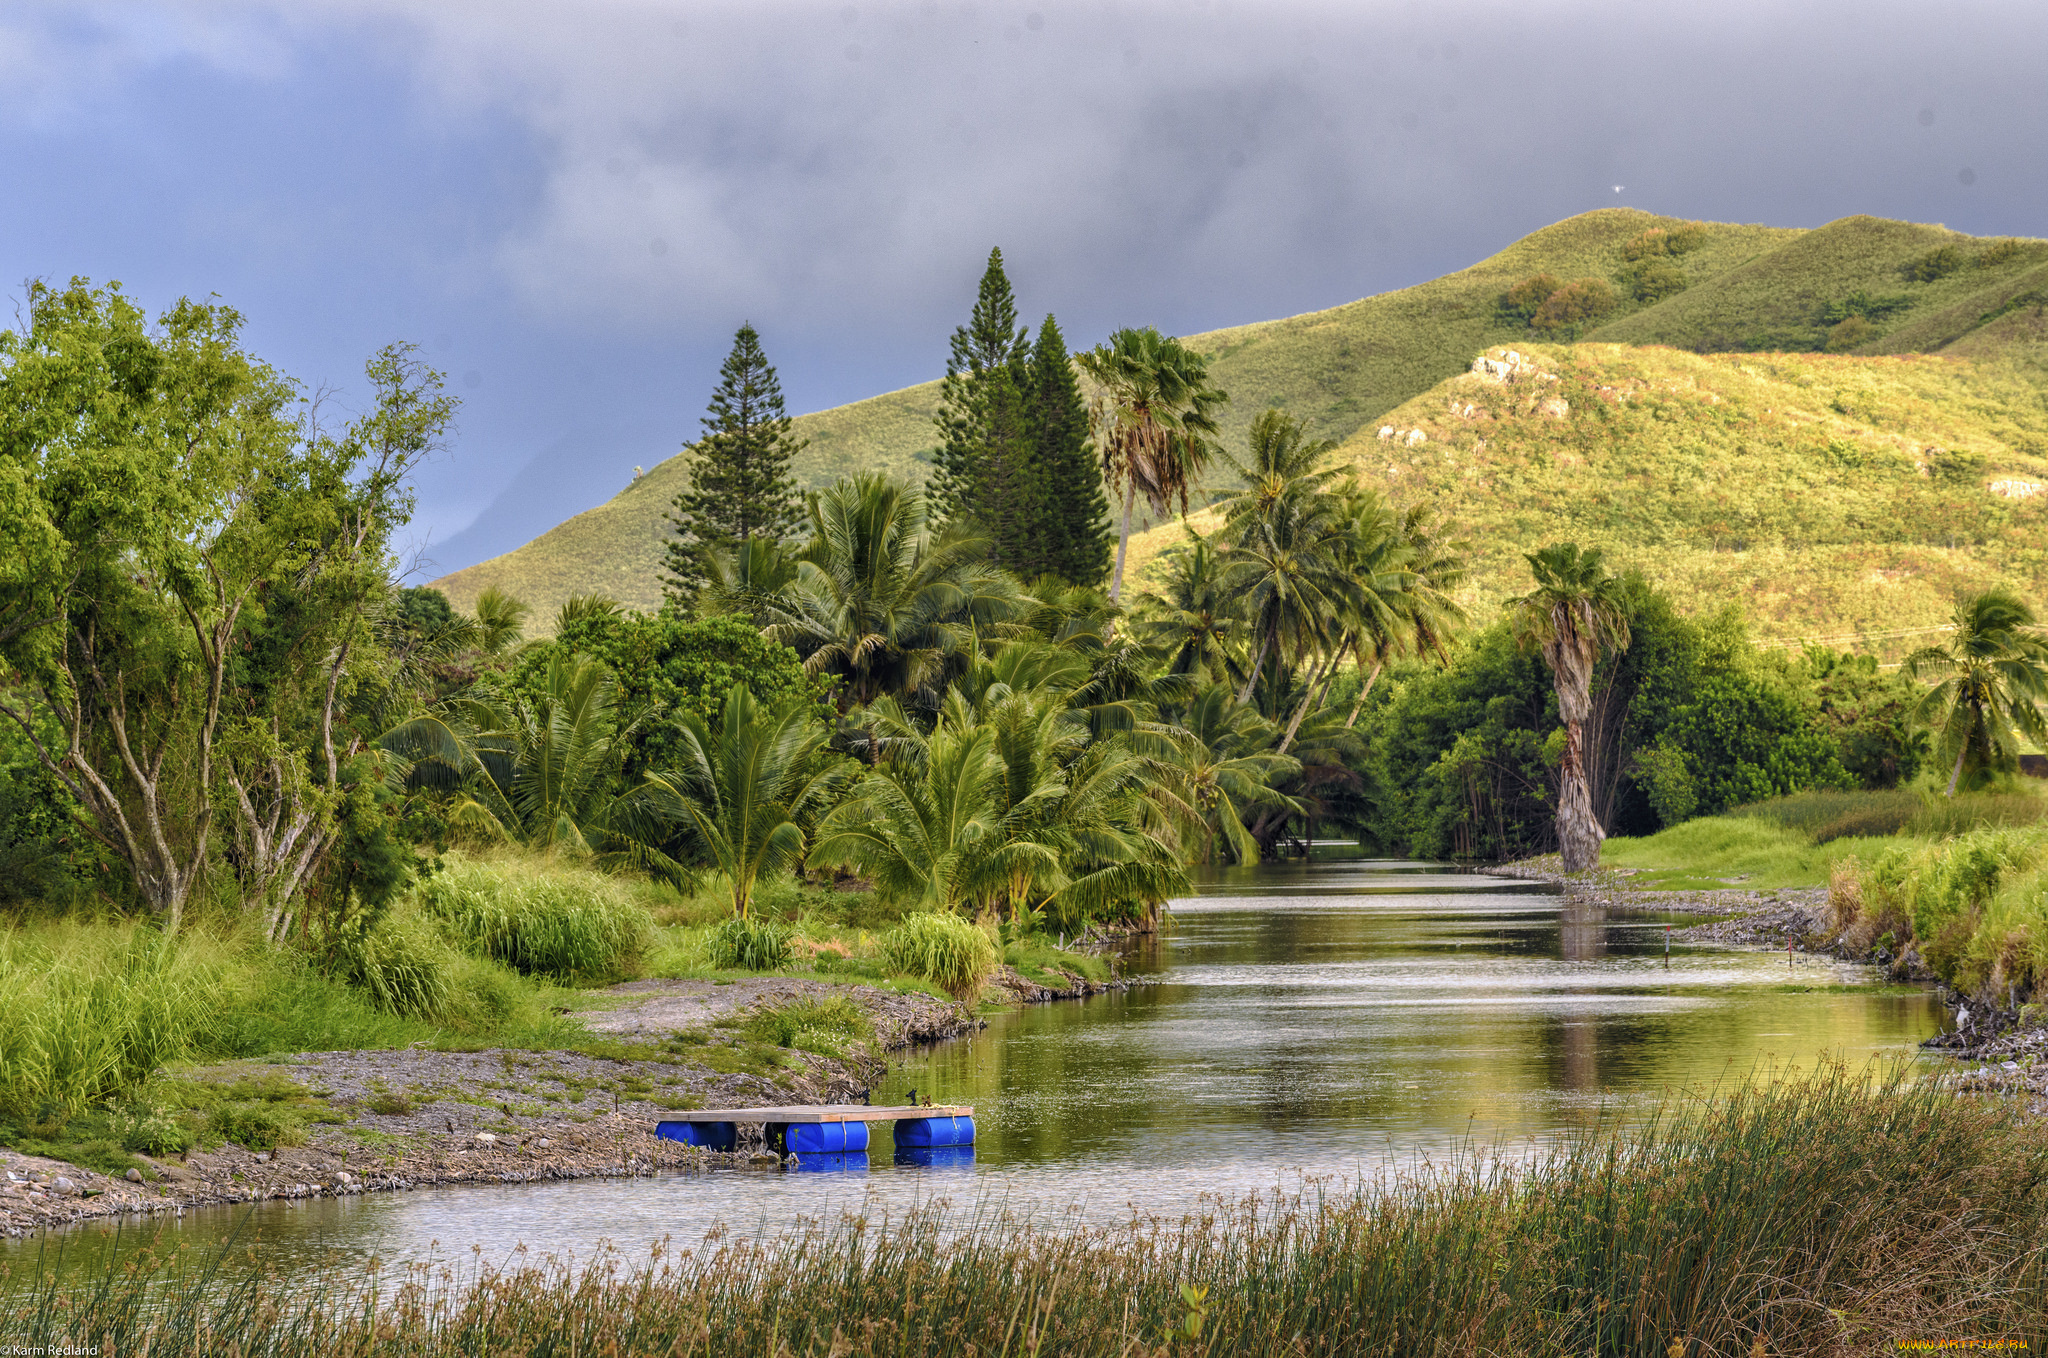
(1078, 538)
(740, 486)
(986, 469)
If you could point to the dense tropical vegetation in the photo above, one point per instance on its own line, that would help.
(221, 707)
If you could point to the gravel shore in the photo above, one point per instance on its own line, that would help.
(395, 1120)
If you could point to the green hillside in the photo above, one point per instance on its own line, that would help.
(1826, 494)
(1345, 369)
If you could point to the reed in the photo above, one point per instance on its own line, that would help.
(1833, 1213)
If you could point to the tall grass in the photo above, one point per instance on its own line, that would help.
(88, 1012)
(1825, 816)
(1834, 1214)
(542, 919)
(943, 949)
(1976, 906)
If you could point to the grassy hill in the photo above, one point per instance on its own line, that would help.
(1826, 494)
(1347, 370)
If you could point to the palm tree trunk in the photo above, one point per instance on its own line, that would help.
(1244, 695)
(1123, 541)
(1307, 698)
(1956, 776)
(1578, 831)
(1370, 680)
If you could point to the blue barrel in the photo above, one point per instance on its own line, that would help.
(824, 1138)
(712, 1136)
(935, 1157)
(935, 1132)
(817, 1164)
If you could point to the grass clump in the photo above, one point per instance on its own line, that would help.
(828, 1026)
(1975, 906)
(748, 944)
(1832, 1213)
(1721, 851)
(943, 949)
(576, 926)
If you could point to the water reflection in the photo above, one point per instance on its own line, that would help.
(1304, 1018)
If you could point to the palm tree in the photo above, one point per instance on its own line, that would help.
(1190, 619)
(881, 606)
(549, 771)
(1222, 767)
(1155, 422)
(752, 579)
(1574, 613)
(752, 783)
(1290, 584)
(1991, 678)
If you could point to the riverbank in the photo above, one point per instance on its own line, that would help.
(1715, 1226)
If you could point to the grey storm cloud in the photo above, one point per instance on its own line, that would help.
(594, 183)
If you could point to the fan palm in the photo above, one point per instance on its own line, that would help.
(1991, 676)
(752, 783)
(881, 606)
(1574, 613)
(1155, 421)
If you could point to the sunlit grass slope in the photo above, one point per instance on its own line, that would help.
(1343, 370)
(1825, 494)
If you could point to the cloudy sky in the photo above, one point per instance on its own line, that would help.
(571, 205)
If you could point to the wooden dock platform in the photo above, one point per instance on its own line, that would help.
(823, 1112)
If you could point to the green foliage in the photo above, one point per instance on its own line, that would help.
(399, 960)
(1574, 305)
(1990, 679)
(1521, 302)
(943, 949)
(1666, 783)
(740, 486)
(832, 1026)
(1655, 279)
(1079, 536)
(1938, 264)
(1976, 903)
(748, 943)
(665, 667)
(1746, 739)
(1659, 242)
(544, 921)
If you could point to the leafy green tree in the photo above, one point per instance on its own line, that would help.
(740, 486)
(751, 782)
(987, 470)
(668, 669)
(1990, 679)
(881, 608)
(1154, 421)
(193, 573)
(1745, 739)
(1574, 613)
(1191, 621)
(1077, 531)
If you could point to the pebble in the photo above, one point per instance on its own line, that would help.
(64, 1185)
(134, 1176)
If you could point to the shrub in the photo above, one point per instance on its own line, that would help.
(943, 949)
(1937, 264)
(258, 1126)
(1655, 279)
(1848, 334)
(1658, 242)
(825, 1026)
(751, 944)
(541, 919)
(1660, 771)
(1943, 888)
(1521, 301)
(1575, 303)
(1953, 466)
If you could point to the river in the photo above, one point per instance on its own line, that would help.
(1322, 1018)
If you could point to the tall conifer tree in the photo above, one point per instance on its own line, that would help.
(987, 468)
(1077, 531)
(740, 486)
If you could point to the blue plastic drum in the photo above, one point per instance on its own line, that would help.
(824, 1138)
(712, 1136)
(935, 1132)
(935, 1157)
(855, 1161)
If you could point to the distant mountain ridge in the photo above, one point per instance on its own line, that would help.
(1920, 289)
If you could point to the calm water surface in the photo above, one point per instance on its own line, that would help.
(1322, 1018)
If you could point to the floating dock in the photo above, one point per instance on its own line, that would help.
(822, 1129)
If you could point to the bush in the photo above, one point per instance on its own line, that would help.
(1655, 279)
(1660, 772)
(1579, 301)
(828, 1026)
(541, 919)
(1657, 242)
(943, 949)
(1943, 888)
(1937, 264)
(1521, 301)
(751, 944)
(1848, 334)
